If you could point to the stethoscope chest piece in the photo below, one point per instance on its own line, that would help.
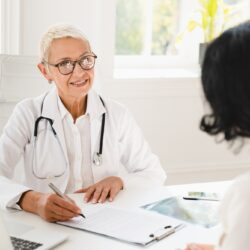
(97, 159)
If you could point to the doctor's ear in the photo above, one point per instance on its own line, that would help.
(44, 71)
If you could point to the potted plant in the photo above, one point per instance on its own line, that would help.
(212, 17)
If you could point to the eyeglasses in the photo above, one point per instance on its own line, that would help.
(66, 67)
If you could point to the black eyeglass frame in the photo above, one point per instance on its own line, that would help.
(57, 65)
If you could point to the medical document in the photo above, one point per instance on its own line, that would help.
(198, 212)
(136, 226)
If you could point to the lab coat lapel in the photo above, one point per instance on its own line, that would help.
(51, 110)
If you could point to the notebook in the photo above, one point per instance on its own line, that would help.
(135, 226)
(16, 235)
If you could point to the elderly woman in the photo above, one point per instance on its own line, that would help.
(72, 137)
(226, 83)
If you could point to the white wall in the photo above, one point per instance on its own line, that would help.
(168, 108)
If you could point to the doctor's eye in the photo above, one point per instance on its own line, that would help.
(87, 61)
(65, 64)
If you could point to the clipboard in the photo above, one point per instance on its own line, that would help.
(137, 226)
(167, 230)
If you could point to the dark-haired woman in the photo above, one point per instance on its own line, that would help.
(226, 84)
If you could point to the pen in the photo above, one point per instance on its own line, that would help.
(64, 196)
(197, 199)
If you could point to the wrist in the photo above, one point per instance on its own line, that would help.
(28, 201)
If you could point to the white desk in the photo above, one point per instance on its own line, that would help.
(131, 198)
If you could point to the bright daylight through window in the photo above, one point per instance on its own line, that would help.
(168, 29)
(146, 27)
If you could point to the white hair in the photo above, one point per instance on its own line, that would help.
(57, 32)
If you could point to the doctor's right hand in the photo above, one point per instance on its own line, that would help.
(50, 207)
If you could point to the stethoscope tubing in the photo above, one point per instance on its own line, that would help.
(102, 130)
(97, 159)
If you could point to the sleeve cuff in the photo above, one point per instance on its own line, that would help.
(13, 203)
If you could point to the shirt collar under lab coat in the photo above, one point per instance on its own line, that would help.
(51, 107)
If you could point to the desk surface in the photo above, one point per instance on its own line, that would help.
(131, 198)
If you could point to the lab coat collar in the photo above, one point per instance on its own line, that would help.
(50, 105)
(94, 108)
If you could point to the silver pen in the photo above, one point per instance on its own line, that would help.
(199, 198)
(64, 196)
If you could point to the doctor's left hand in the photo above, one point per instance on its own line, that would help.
(194, 246)
(107, 188)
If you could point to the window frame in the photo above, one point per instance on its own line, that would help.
(188, 59)
(160, 61)
(10, 26)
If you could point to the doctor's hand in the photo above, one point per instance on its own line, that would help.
(193, 246)
(107, 188)
(50, 207)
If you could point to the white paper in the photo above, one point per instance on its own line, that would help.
(134, 226)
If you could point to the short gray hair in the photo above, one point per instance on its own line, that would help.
(57, 32)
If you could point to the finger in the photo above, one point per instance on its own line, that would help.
(193, 246)
(104, 195)
(49, 215)
(62, 212)
(56, 217)
(89, 194)
(82, 190)
(113, 192)
(97, 194)
(72, 207)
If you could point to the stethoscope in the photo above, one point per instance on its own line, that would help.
(97, 157)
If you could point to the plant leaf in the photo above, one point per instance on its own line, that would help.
(179, 38)
(192, 24)
(213, 7)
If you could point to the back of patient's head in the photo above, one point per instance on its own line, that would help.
(226, 83)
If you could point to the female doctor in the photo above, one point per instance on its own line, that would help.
(72, 137)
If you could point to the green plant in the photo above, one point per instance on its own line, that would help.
(212, 17)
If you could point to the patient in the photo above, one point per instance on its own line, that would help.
(226, 84)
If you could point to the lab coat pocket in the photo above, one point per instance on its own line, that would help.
(44, 155)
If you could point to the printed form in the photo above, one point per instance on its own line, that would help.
(136, 226)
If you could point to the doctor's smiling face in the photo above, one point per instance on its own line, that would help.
(66, 55)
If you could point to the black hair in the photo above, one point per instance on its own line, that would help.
(226, 83)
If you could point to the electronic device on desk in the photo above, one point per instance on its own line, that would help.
(19, 236)
(207, 196)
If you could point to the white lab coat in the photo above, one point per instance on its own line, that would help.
(125, 152)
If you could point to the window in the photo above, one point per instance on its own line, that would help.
(146, 27)
(147, 31)
(9, 26)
